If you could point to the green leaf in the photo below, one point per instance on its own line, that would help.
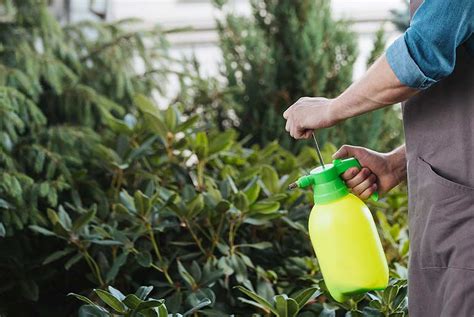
(44, 189)
(195, 271)
(132, 301)
(5, 204)
(144, 258)
(143, 291)
(262, 301)
(152, 115)
(149, 312)
(82, 298)
(41, 230)
(203, 303)
(265, 207)
(303, 296)
(270, 178)
(83, 220)
(195, 205)
(142, 203)
(252, 190)
(189, 123)
(64, 218)
(241, 202)
(92, 311)
(156, 125)
(117, 264)
(258, 246)
(162, 311)
(171, 118)
(106, 242)
(151, 303)
(116, 293)
(145, 105)
(73, 260)
(201, 145)
(53, 216)
(222, 206)
(110, 300)
(57, 255)
(188, 278)
(3, 232)
(221, 142)
(286, 307)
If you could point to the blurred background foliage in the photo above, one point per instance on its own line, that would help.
(289, 49)
(99, 187)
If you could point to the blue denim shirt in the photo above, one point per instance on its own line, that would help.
(426, 52)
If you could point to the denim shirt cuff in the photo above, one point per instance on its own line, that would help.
(405, 68)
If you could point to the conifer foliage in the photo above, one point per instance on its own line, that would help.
(59, 89)
(286, 50)
(291, 49)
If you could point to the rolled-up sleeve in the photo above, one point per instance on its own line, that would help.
(426, 52)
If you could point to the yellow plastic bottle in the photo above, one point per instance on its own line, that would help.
(343, 234)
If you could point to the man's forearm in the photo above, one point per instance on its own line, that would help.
(379, 87)
(398, 162)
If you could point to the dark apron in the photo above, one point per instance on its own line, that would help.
(439, 129)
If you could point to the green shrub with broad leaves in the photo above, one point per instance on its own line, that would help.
(101, 191)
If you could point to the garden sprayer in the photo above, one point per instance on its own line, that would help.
(343, 233)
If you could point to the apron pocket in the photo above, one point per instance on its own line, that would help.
(445, 221)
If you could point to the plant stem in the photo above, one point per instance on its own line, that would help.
(217, 234)
(158, 254)
(200, 174)
(193, 234)
(93, 266)
(234, 226)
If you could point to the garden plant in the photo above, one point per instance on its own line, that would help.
(113, 205)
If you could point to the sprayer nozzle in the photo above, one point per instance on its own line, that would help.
(292, 185)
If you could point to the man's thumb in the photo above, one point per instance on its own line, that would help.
(345, 151)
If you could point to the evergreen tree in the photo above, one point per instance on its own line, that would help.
(290, 49)
(287, 49)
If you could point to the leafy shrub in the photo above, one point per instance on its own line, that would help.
(99, 187)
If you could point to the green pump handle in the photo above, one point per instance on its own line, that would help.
(324, 177)
(343, 165)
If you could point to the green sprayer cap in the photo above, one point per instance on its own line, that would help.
(327, 182)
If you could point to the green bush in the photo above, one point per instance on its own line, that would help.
(287, 50)
(100, 188)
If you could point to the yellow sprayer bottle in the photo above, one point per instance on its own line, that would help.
(343, 234)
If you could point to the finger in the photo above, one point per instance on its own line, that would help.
(286, 114)
(293, 130)
(350, 173)
(359, 178)
(287, 125)
(307, 134)
(369, 191)
(345, 151)
(367, 183)
(300, 132)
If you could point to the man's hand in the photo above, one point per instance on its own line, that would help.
(307, 115)
(381, 171)
(378, 87)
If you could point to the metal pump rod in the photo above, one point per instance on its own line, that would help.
(318, 151)
(295, 185)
